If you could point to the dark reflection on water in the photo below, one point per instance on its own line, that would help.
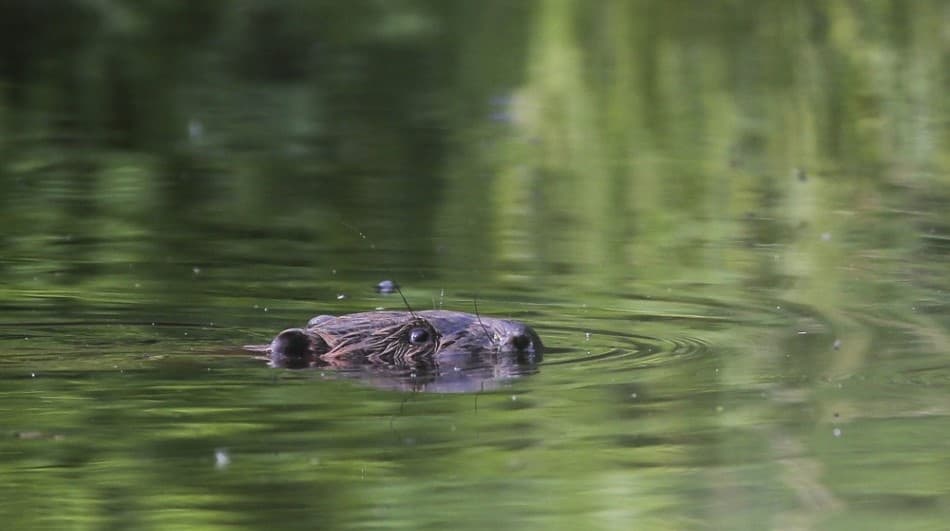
(472, 372)
(475, 375)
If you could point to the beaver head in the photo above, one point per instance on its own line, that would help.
(401, 339)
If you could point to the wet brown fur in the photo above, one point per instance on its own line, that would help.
(387, 338)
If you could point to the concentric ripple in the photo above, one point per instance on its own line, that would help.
(663, 333)
(671, 331)
(600, 346)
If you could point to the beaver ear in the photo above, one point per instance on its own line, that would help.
(294, 348)
(291, 343)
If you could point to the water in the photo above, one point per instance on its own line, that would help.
(727, 225)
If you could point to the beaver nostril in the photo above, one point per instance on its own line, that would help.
(521, 341)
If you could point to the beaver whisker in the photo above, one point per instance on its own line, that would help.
(478, 317)
(406, 302)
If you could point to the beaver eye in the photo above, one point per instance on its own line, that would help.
(418, 336)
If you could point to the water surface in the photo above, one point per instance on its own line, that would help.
(728, 225)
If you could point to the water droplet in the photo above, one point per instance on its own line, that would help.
(195, 129)
(221, 458)
(386, 286)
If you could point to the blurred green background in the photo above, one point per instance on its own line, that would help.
(727, 219)
(605, 137)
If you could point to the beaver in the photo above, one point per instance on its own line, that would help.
(402, 339)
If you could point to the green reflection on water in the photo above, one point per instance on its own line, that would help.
(727, 222)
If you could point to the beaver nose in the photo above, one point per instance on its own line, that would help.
(520, 341)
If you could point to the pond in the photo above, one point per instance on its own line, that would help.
(728, 226)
